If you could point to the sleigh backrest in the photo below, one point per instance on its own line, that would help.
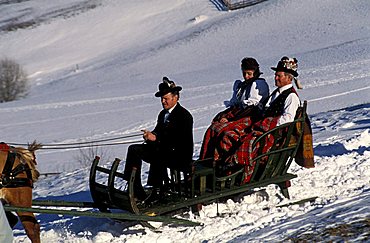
(286, 139)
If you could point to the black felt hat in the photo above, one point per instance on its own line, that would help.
(167, 86)
(249, 63)
(288, 65)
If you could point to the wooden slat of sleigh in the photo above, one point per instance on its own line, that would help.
(281, 154)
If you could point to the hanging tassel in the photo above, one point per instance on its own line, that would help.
(298, 83)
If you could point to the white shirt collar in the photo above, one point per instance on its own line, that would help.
(288, 86)
(277, 92)
(170, 110)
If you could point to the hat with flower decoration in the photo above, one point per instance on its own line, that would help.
(288, 65)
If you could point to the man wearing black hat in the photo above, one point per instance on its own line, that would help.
(283, 101)
(169, 144)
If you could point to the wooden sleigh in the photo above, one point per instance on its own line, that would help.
(201, 184)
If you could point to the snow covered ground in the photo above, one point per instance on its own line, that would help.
(94, 67)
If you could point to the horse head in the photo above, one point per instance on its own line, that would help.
(27, 156)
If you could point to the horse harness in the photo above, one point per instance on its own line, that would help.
(8, 177)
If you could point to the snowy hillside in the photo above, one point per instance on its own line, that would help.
(94, 67)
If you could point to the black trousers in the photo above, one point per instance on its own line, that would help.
(149, 153)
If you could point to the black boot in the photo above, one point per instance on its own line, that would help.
(139, 191)
(154, 197)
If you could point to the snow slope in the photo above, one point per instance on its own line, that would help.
(94, 67)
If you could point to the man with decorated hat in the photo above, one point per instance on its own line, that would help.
(284, 101)
(170, 144)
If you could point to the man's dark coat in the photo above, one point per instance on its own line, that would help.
(173, 147)
(175, 136)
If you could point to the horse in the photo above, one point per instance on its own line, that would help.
(18, 173)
